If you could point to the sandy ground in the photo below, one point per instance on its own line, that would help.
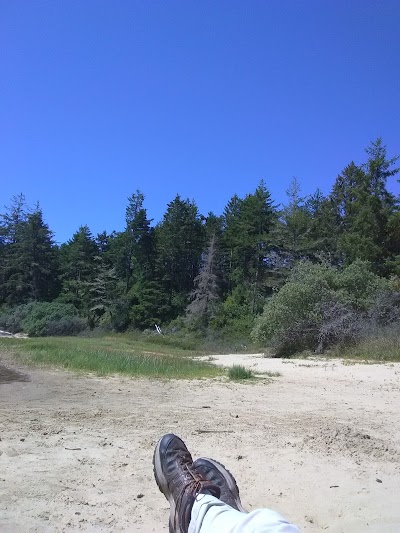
(320, 444)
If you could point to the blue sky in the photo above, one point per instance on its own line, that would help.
(201, 98)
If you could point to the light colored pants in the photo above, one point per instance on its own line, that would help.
(210, 515)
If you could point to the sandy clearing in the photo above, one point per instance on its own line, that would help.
(75, 452)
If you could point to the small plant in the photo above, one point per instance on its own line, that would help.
(272, 374)
(240, 372)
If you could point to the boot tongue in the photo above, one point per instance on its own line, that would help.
(203, 485)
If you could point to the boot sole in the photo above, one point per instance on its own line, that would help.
(163, 485)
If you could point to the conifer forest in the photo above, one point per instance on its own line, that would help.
(317, 271)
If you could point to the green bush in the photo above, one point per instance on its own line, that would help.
(64, 327)
(319, 306)
(297, 305)
(40, 319)
(359, 287)
(237, 372)
(11, 320)
(234, 319)
(45, 318)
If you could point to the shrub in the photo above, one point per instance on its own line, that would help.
(65, 327)
(12, 319)
(295, 338)
(340, 326)
(239, 372)
(234, 318)
(358, 286)
(321, 306)
(386, 309)
(381, 344)
(297, 304)
(46, 319)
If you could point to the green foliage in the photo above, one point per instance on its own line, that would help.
(318, 306)
(233, 318)
(39, 319)
(12, 319)
(294, 222)
(364, 207)
(44, 319)
(144, 275)
(28, 258)
(133, 250)
(248, 223)
(358, 286)
(148, 304)
(239, 372)
(78, 270)
(297, 301)
(180, 240)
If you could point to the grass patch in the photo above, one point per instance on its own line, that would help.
(272, 374)
(112, 354)
(238, 372)
(379, 348)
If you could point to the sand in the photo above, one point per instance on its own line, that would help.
(320, 444)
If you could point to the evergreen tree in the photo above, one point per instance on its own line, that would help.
(11, 223)
(132, 251)
(78, 264)
(364, 207)
(246, 240)
(180, 239)
(29, 264)
(323, 230)
(294, 223)
(12, 219)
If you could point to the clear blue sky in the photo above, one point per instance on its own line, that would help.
(201, 98)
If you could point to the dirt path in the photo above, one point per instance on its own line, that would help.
(321, 444)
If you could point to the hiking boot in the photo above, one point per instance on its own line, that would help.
(222, 478)
(179, 480)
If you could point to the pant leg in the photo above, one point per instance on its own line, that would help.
(210, 515)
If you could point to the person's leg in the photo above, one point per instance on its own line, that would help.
(226, 514)
(204, 496)
(211, 515)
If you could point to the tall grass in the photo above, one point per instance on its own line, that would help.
(114, 354)
(383, 345)
(237, 372)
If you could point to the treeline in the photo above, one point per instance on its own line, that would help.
(213, 272)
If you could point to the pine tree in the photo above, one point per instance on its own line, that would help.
(30, 270)
(11, 223)
(248, 224)
(294, 222)
(40, 256)
(180, 240)
(323, 230)
(78, 265)
(132, 251)
(364, 207)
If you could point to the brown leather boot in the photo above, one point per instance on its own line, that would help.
(179, 480)
(217, 474)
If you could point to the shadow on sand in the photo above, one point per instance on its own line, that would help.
(7, 375)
